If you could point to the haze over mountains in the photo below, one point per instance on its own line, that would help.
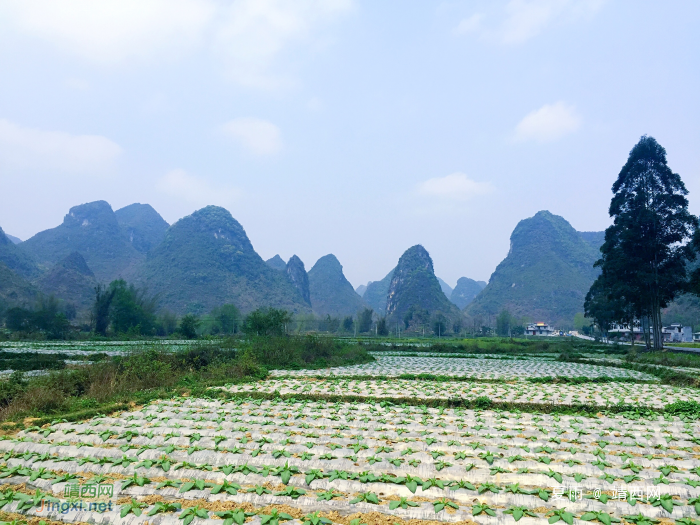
(205, 260)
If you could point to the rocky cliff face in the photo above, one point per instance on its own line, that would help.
(296, 273)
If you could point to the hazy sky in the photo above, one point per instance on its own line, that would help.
(352, 127)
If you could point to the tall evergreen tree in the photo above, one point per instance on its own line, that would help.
(646, 249)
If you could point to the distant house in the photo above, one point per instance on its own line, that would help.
(539, 329)
(675, 333)
(696, 337)
(679, 333)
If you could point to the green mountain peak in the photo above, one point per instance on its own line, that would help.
(143, 226)
(92, 230)
(546, 274)
(415, 289)
(206, 260)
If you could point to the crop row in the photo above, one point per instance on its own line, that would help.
(477, 368)
(604, 394)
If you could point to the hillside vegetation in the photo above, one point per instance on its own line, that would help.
(546, 274)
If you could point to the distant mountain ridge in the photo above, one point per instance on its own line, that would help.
(16, 259)
(14, 239)
(15, 290)
(207, 260)
(446, 288)
(546, 274)
(71, 280)
(376, 293)
(466, 291)
(331, 293)
(92, 230)
(277, 263)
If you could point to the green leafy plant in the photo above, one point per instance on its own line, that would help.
(519, 512)
(314, 519)
(480, 508)
(404, 503)
(274, 517)
(161, 507)
(229, 488)
(137, 480)
(602, 517)
(190, 485)
(442, 503)
(230, 517)
(641, 519)
(190, 513)
(561, 514)
(666, 501)
(328, 495)
(291, 492)
(133, 507)
(367, 497)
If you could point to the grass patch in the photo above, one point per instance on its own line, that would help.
(143, 375)
(666, 359)
(666, 376)
(503, 345)
(308, 352)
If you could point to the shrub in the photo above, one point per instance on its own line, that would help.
(308, 351)
(188, 326)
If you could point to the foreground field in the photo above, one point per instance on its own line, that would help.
(363, 459)
(362, 447)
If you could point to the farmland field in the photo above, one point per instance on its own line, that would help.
(488, 441)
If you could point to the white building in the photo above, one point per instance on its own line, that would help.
(678, 333)
(539, 329)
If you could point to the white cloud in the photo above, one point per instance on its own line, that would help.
(178, 184)
(454, 187)
(549, 123)
(253, 33)
(23, 147)
(522, 20)
(247, 35)
(111, 31)
(258, 136)
(470, 24)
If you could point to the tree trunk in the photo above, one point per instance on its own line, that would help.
(645, 327)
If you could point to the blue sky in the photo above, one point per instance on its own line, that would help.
(344, 126)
